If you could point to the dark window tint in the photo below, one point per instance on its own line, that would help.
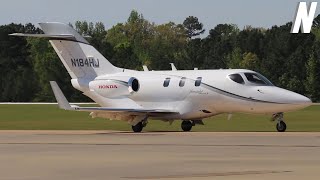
(182, 82)
(198, 81)
(166, 82)
(257, 79)
(236, 78)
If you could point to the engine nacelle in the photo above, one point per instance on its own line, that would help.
(112, 87)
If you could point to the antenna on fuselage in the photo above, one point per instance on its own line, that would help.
(145, 68)
(173, 68)
(195, 68)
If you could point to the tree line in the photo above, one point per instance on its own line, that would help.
(290, 61)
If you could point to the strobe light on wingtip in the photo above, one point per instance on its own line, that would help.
(188, 95)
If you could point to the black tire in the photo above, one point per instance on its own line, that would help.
(138, 127)
(186, 125)
(281, 126)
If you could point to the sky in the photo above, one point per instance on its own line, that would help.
(257, 13)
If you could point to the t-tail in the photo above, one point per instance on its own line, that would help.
(82, 61)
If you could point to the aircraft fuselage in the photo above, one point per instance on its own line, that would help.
(216, 93)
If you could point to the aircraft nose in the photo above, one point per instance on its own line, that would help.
(300, 99)
(287, 100)
(295, 101)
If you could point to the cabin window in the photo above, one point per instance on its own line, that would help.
(182, 82)
(236, 78)
(257, 79)
(198, 81)
(166, 82)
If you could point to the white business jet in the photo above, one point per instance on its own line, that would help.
(188, 95)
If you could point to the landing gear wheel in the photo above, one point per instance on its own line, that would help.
(186, 125)
(281, 126)
(138, 127)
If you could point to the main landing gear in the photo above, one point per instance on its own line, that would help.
(138, 127)
(186, 125)
(281, 125)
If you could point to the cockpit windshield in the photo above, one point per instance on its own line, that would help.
(257, 79)
(250, 79)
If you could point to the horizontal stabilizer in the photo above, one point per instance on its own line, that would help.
(56, 31)
(50, 36)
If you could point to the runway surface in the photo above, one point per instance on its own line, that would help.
(112, 155)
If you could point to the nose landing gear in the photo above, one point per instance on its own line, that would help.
(281, 125)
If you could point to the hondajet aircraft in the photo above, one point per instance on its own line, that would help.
(188, 95)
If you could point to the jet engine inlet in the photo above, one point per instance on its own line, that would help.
(134, 84)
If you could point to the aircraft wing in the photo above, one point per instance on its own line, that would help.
(64, 104)
(142, 110)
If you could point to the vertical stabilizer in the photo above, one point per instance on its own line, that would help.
(81, 60)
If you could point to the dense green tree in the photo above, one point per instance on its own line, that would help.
(219, 44)
(291, 61)
(284, 55)
(16, 75)
(46, 66)
(131, 37)
(167, 46)
(316, 22)
(251, 40)
(250, 61)
(82, 27)
(312, 82)
(195, 53)
(149, 44)
(192, 26)
(235, 58)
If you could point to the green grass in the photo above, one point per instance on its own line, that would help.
(49, 117)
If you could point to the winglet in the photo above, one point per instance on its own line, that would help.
(62, 100)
